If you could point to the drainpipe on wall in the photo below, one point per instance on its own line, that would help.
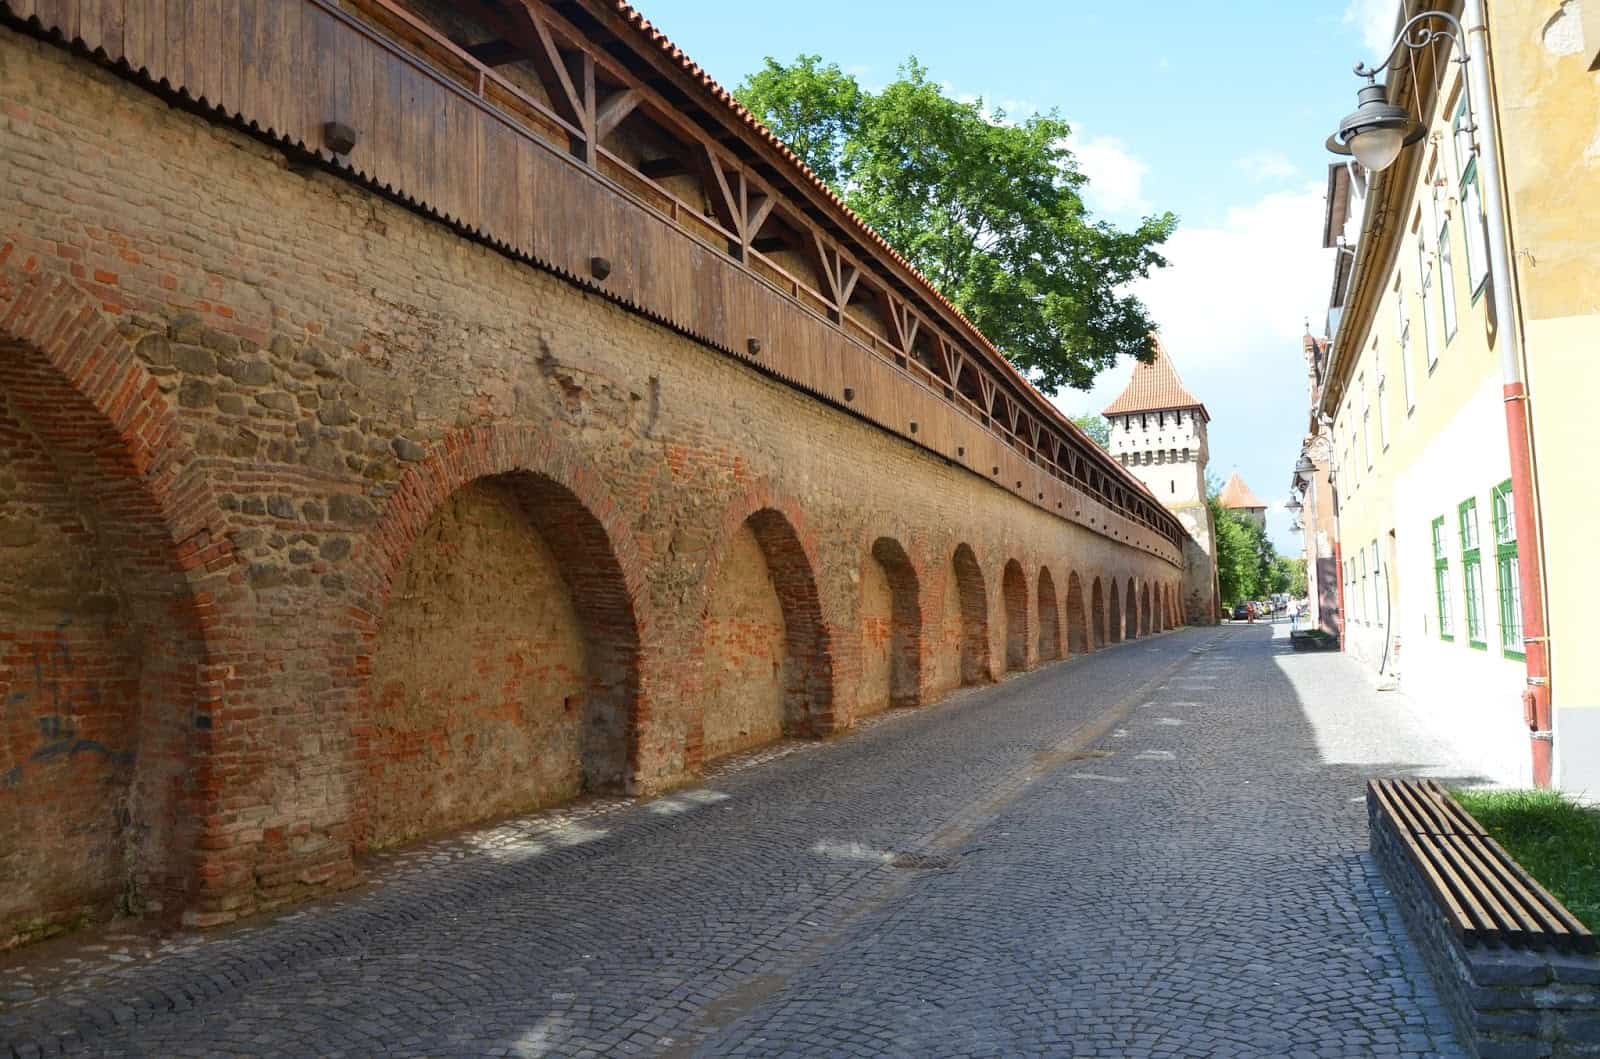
(1536, 710)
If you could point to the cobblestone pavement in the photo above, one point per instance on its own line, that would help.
(1156, 850)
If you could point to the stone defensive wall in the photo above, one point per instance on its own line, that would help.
(412, 415)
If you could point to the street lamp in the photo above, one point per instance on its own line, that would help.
(1375, 134)
(1376, 130)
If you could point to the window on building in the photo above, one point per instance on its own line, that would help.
(1362, 558)
(1472, 219)
(1405, 343)
(1447, 275)
(1506, 574)
(1430, 337)
(1472, 572)
(1383, 414)
(1441, 581)
(1366, 423)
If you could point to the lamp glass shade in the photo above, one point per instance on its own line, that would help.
(1377, 148)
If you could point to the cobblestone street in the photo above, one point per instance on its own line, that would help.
(1155, 850)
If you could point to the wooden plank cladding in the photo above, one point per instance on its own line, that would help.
(579, 153)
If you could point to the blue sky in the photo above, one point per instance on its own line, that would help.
(1216, 112)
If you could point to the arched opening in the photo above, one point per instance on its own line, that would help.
(1014, 590)
(102, 651)
(505, 668)
(767, 669)
(1114, 626)
(1159, 612)
(1077, 624)
(964, 653)
(1145, 615)
(1097, 614)
(1130, 607)
(891, 630)
(1049, 617)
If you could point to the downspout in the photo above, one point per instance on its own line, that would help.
(1536, 709)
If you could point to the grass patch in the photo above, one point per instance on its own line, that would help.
(1556, 841)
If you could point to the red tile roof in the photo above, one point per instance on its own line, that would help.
(1238, 495)
(1155, 387)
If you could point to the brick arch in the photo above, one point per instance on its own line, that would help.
(1014, 598)
(113, 695)
(903, 635)
(1077, 617)
(1049, 617)
(1115, 626)
(1130, 610)
(546, 484)
(788, 547)
(974, 597)
(1097, 615)
(1146, 616)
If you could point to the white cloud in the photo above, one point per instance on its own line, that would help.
(1116, 176)
(1232, 306)
(1249, 283)
(1376, 21)
(1264, 166)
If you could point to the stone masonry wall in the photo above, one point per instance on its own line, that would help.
(408, 534)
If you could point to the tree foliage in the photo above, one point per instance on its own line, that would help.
(1096, 427)
(1248, 566)
(989, 209)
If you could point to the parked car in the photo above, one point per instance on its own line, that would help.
(1241, 611)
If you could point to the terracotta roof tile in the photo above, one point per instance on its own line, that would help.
(1154, 387)
(1238, 495)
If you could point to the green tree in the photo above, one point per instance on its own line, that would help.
(1291, 577)
(1266, 558)
(1237, 568)
(1096, 427)
(988, 209)
(813, 108)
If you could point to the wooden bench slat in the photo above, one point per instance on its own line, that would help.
(1513, 919)
(1465, 820)
(1579, 935)
(1486, 924)
(1460, 921)
(1497, 867)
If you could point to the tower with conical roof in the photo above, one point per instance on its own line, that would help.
(1158, 431)
(1237, 496)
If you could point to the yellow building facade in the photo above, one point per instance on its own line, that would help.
(1412, 409)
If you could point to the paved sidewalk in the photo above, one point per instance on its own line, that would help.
(1156, 850)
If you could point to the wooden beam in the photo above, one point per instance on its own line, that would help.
(848, 274)
(495, 52)
(656, 168)
(826, 262)
(723, 204)
(524, 25)
(759, 207)
(611, 112)
(586, 106)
